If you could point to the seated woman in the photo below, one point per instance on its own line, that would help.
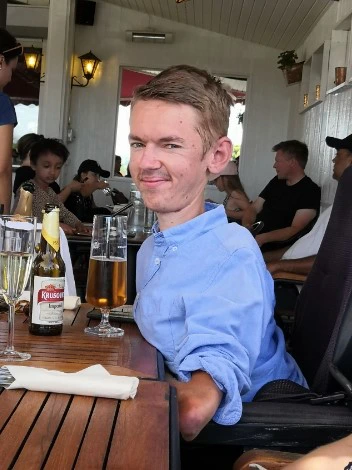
(47, 157)
(82, 203)
(236, 200)
(25, 172)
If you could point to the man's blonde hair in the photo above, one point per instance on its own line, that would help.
(185, 84)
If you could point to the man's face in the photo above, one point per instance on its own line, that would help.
(342, 160)
(167, 159)
(282, 165)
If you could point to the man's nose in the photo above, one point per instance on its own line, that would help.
(148, 158)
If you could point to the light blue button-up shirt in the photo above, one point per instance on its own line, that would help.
(205, 300)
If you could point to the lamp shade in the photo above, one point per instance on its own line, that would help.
(89, 63)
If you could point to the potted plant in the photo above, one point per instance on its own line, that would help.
(291, 69)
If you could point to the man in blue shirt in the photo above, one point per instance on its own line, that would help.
(204, 296)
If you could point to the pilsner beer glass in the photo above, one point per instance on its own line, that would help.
(107, 273)
(17, 240)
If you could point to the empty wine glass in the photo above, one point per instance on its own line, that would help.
(107, 273)
(17, 239)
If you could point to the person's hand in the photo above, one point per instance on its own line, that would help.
(67, 229)
(75, 186)
(102, 185)
(272, 267)
(81, 228)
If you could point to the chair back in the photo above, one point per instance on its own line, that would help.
(325, 302)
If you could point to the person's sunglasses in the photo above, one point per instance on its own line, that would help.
(18, 49)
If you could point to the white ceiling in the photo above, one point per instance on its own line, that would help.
(282, 24)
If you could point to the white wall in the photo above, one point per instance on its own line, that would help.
(93, 109)
(333, 117)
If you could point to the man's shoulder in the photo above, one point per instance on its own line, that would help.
(232, 237)
(309, 183)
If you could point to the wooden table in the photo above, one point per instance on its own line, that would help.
(56, 431)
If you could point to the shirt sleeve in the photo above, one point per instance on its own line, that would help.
(7, 111)
(225, 329)
(310, 197)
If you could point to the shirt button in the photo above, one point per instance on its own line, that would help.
(157, 261)
(174, 248)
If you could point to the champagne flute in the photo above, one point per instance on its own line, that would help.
(17, 239)
(107, 273)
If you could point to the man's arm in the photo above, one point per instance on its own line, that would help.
(301, 219)
(250, 213)
(73, 187)
(198, 401)
(6, 135)
(295, 266)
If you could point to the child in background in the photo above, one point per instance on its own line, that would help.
(47, 157)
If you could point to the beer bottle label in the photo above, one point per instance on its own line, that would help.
(50, 229)
(48, 300)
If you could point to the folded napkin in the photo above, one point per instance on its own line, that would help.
(71, 302)
(94, 381)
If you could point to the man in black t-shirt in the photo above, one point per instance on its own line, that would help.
(290, 200)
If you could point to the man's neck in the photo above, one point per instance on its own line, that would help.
(172, 219)
(294, 179)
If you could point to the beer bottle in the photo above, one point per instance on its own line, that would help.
(24, 205)
(48, 279)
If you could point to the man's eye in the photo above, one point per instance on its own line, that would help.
(172, 146)
(136, 145)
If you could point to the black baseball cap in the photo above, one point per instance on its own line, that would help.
(338, 144)
(93, 165)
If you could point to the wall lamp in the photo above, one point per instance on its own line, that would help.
(32, 58)
(89, 63)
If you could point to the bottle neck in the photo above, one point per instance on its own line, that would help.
(50, 237)
(24, 206)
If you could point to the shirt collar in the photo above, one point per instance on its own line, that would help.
(213, 216)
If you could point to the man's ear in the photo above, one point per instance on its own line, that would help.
(220, 156)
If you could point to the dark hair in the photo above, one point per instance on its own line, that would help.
(26, 142)
(184, 84)
(233, 183)
(294, 149)
(10, 44)
(45, 146)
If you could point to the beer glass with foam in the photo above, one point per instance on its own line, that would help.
(107, 273)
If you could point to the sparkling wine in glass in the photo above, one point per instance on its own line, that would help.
(17, 239)
(107, 273)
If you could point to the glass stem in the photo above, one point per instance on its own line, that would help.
(11, 329)
(105, 311)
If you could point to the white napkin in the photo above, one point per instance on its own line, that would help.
(94, 381)
(71, 302)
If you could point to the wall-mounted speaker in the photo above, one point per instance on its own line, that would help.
(85, 11)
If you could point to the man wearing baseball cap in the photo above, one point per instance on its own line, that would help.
(82, 202)
(299, 258)
(94, 167)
